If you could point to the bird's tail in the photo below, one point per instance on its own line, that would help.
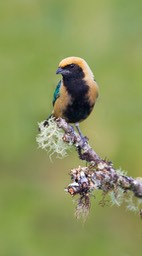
(45, 122)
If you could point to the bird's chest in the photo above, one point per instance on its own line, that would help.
(78, 107)
(76, 88)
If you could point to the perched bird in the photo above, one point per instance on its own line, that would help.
(77, 91)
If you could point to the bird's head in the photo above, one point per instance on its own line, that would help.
(74, 67)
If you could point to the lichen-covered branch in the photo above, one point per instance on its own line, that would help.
(98, 175)
(84, 150)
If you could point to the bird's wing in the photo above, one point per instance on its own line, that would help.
(56, 92)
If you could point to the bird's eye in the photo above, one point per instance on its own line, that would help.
(72, 65)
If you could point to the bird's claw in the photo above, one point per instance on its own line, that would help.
(84, 140)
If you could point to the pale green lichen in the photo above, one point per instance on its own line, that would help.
(50, 138)
(116, 196)
(82, 208)
(133, 204)
(121, 172)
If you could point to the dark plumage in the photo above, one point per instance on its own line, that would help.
(76, 94)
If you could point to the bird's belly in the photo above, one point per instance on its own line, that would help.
(77, 111)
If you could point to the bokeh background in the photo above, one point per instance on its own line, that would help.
(36, 215)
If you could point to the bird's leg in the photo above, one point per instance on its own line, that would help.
(83, 138)
(79, 131)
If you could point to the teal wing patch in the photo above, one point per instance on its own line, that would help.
(56, 93)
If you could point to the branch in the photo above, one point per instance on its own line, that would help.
(98, 175)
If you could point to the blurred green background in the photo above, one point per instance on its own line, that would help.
(36, 215)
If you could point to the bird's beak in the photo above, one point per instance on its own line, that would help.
(59, 70)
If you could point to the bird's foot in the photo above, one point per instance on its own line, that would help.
(84, 140)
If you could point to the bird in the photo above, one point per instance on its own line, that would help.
(76, 93)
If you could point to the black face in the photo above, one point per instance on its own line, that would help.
(71, 71)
